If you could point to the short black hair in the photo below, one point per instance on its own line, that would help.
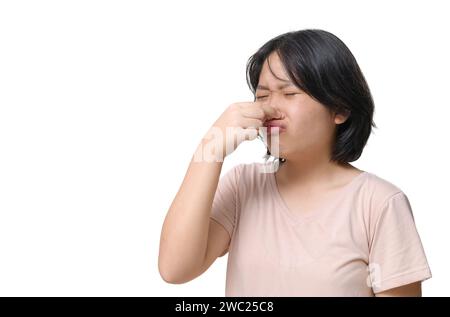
(321, 65)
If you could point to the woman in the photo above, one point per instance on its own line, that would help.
(314, 225)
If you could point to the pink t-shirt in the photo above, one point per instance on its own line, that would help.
(363, 241)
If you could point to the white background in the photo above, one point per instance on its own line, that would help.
(102, 104)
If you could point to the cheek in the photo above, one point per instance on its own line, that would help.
(309, 120)
(302, 119)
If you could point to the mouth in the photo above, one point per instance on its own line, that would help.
(274, 126)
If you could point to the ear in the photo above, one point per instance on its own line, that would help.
(340, 118)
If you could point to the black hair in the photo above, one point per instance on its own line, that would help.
(321, 65)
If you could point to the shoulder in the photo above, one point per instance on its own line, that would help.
(250, 174)
(380, 188)
(379, 193)
(255, 170)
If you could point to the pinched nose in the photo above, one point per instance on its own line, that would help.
(271, 113)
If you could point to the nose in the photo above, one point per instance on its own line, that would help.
(273, 104)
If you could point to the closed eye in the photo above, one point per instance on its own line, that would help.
(290, 94)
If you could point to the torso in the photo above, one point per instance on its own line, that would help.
(302, 201)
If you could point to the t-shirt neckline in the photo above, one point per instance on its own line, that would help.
(296, 218)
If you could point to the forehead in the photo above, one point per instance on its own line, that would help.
(273, 74)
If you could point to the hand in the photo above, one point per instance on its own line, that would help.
(239, 122)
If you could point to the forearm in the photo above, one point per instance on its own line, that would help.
(184, 236)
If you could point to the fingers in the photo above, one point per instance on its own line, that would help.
(253, 111)
(251, 123)
(259, 110)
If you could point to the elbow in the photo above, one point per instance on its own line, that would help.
(171, 276)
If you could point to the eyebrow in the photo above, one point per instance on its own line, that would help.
(279, 87)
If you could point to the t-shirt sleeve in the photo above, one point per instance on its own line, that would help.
(224, 206)
(396, 255)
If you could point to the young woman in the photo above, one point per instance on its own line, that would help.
(316, 226)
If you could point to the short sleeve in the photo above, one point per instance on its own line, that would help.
(224, 207)
(396, 254)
